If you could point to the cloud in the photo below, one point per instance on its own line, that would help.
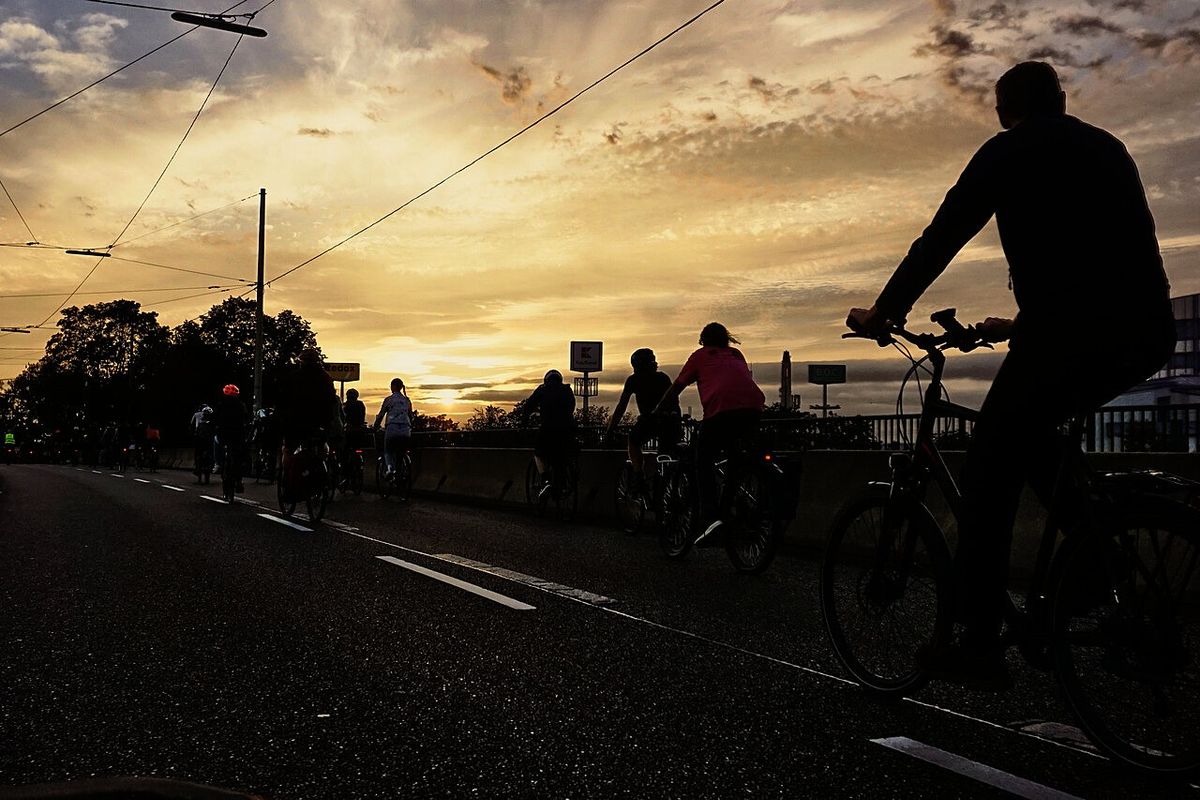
(949, 43)
(316, 133)
(1085, 26)
(515, 84)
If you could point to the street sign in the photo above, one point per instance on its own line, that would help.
(342, 371)
(587, 356)
(826, 373)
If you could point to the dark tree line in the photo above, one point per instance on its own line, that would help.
(112, 364)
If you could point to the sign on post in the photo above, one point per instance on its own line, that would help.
(342, 371)
(587, 356)
(826, 373)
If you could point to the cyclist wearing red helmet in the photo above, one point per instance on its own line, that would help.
(231, 420)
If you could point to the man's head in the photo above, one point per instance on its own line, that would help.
(643, 360)
(1027, 89)
(352, 394)
(309, 357)
(553, 378)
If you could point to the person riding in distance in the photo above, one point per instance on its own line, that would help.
(355, 413)
(231, 419)
(398, 433)
(647, 385)
(554, 403)
(733, 405)
(308, 406)
(1094, 319)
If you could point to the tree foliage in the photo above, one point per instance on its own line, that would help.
(112, 364)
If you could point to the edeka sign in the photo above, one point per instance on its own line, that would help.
(826, 373)
(342, 371)
(587, 356)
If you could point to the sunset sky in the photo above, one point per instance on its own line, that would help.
(766, 168)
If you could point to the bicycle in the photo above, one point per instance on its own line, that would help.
(560, 484)
(304, 477)
(635, 499)
(398, 482)
(231, 472)
(761, 506)
(1102, 612)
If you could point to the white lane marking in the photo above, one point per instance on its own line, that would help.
(488, 594)
(779, 661)
(1006, 781)
(287, 522)
(341, 526)
(116, 475)
(538, 583)
(97, 472)
(220, 500)
(172, 488)
(141, 480)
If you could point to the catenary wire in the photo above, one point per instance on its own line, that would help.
(120, 291)
(186, 297)
(183, 221)
(181, 269)
(157, 180)
(487, 153)
(8, 194)
(162, 8)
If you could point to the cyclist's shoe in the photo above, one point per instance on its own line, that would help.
(980, 668)
(710, 534)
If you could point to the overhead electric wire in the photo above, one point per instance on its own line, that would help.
(121, 291)
(186, 297)
(8, 194)
(182, 221)
(98, 81)
(161, 8)
(487, 153)
(182, 269)
(152, 188)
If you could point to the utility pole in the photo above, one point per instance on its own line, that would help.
(258, 308)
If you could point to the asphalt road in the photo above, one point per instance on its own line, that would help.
(149, 630)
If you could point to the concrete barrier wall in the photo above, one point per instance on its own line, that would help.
(496, 476)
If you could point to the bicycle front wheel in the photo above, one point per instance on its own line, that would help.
(754, 534)
(886, 591)
(1126, 641)
(630, 506)
(676, 530)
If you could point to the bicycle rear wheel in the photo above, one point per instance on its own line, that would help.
(567, 493)
(630, 504)
(534, 496)
(382, 484)
(754, 534)
(404, 477)
(886, 592)
(1126, 641)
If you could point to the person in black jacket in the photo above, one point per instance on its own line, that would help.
(554, 402)
(232, 420)
(648, 385)
(1094, 319)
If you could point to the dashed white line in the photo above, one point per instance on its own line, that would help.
(141, 480)
(172, 488)
(538, 583)
(488, 594)
(97, 472)
(220, 500)
(287, 522)
(116, 475)
(1013, 784)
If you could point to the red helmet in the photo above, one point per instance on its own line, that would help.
(231, 390)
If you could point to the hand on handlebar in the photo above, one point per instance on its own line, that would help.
(870, 323)
(994, 329)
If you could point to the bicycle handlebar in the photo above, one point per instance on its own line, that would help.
(954, 334)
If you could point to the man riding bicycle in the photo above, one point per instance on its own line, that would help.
(1094, 319)
(554, 402)
(231, 419)
(647, 385)
(732, 404)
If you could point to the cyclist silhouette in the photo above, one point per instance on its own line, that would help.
(1080, 243)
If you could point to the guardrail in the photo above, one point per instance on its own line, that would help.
(1114, 429)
